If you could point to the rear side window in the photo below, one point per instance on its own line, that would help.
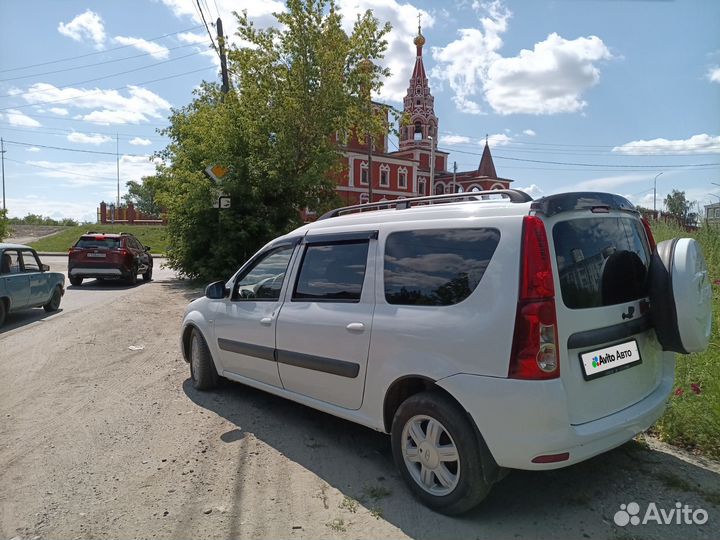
(601, 261)
(437, 267)
(332, 273)
(98, 242)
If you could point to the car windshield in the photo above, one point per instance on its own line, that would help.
(98, 242)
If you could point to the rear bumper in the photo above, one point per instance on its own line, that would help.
(80, 271)
(521, 420)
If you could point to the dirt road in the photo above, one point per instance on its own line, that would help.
(99, 441)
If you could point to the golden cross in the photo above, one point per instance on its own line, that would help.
(419, 16)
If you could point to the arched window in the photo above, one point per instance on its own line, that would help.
(364, 172)
(364, 198)
(385, 175)
(439, 188)
(402, 178)
(421, 187)
(418, 135)
(497, 186)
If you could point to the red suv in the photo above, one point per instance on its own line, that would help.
(109, 256)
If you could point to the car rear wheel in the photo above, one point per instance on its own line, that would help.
(147, 276)
(436, 449)
(202, 369)
(76, 281)
(54, 302)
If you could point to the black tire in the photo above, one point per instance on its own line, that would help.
(3, 312)
(203, 374)
(470, 486)
(76, 281)
(132, 278)
(147, 276)
(54, 302)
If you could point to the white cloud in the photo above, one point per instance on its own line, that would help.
(549, 79)
(154, 49)
(499, 139)
(82, 138)
(137, 141)
(533, 190)
(18, 118)
(259, 12)
(610, 183)
(95, 173)
(59, 111)
(32, 149)
(451, 139)
(87, 25)
(53, 208)
(697, 144)
(529, 132)
(112, 107)
(713, 74)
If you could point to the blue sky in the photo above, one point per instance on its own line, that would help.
(574, 94)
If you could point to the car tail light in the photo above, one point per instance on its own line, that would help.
(552, 458)
(535, 351)
(648, 232)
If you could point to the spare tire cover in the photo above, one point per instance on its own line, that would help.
(681, 296)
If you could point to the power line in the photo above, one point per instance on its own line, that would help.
(72, 149)
(59, 170)
(63, 119)
(604, 165)
(97, 52)
(117, 88)
(94, 64)
(63, 133)
(70, 85)
(208, 28)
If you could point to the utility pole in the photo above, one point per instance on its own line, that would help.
(454, 176)
(117, 162)
(370, 167)
(432, 166)
(2, 153)
(655, 195)
(223, 60)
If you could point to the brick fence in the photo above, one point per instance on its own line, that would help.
(109, 213)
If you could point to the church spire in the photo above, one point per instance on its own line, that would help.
(419, 104)
(487, 167)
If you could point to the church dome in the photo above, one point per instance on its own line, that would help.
(419, 40)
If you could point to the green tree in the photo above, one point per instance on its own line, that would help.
(677, 204)
(4, 225)
(297, 87)
(143, 195)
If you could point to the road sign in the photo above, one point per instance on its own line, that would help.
(217, 172)
(224, 202)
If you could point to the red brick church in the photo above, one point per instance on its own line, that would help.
(407, 171)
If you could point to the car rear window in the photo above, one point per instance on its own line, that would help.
(601, 261)
(436, 267)
(98, 242)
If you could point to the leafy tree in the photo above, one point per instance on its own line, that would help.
(297, 87)
(143, 195)
(37, 219)
(4, 225)
(677, 204)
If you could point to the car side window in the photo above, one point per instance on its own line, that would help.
(332, 272)
(264, 279)
(10, 263)
(436, 267)
(30, 262)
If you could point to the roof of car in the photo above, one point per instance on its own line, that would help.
(13, 246)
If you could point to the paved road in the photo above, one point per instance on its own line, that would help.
(90, 293)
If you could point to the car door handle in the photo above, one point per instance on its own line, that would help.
(355, 327)
(266, 321)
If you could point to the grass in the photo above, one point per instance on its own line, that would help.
(149, 235)
(692, 417)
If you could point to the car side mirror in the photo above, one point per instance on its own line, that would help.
(216, 290)
(44, 268)
(147, 248)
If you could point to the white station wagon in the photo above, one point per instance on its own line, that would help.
(482, 331)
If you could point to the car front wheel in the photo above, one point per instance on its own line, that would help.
(147, 276)
(54, 302)
(76, 281)
(438, 454)
(202, 369)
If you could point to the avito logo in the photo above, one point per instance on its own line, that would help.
(601, 359)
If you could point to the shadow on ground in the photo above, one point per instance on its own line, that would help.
(575, 502)
(18, 319)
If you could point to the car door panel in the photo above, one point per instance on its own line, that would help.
(17, 284)
(38, 282)
(244, 324)
(323, 337)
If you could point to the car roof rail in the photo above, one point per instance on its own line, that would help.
(91, 232)
(515, 196)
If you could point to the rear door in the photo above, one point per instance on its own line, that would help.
(39, 284)
(323, 330)
(610, 357)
